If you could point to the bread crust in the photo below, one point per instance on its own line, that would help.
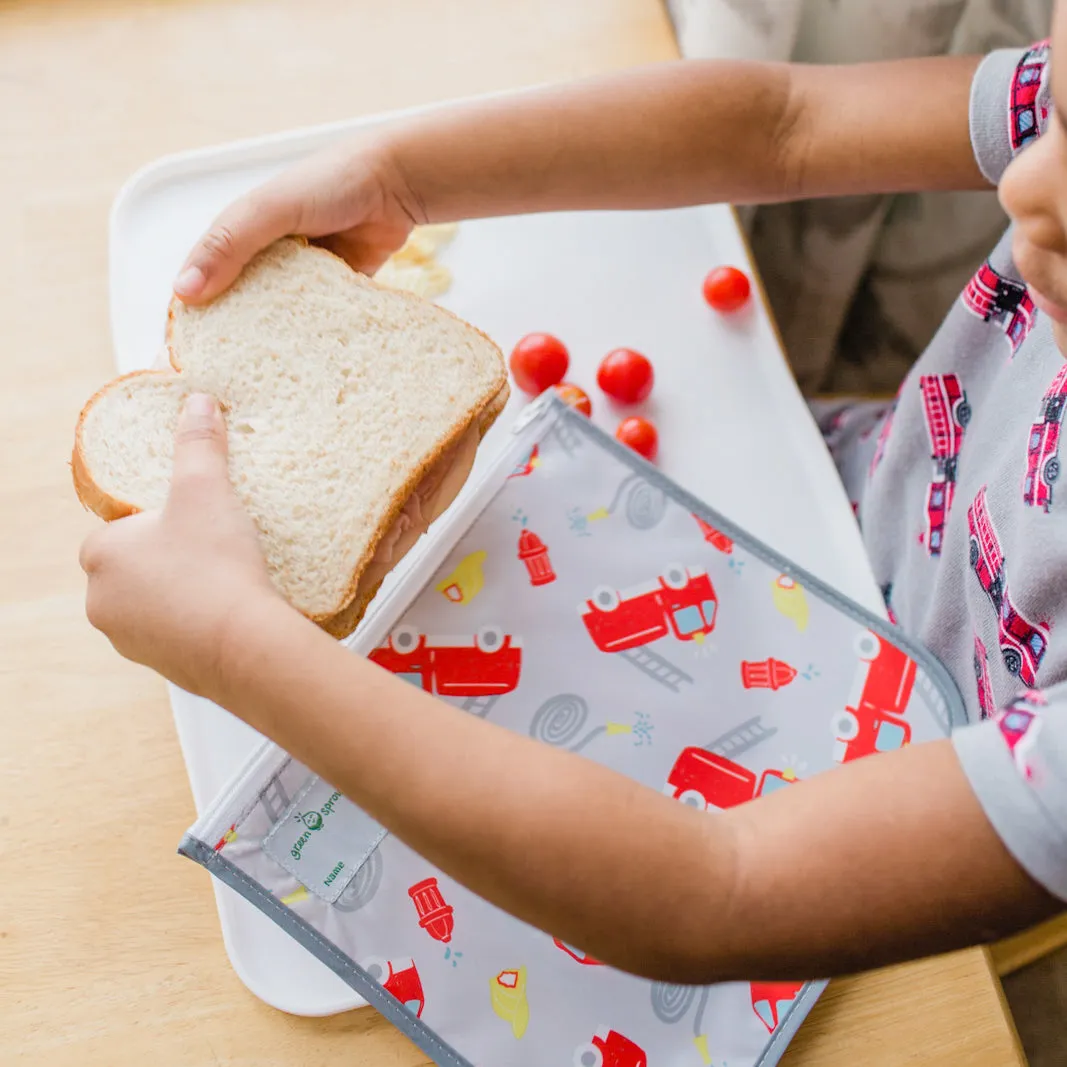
(91, 496)
(353, 603)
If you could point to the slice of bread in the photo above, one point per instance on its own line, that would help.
(353, 413)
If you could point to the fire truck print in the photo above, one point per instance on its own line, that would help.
(947, 414)
(1043, 447)
(987, 559)
(771, 999)
(1029, 96)
(986, 706)
(1001, 301)
(873, 719)
(704, 780)
(609, 1048)
(1019, 725)
(681, 602)
(487, 664)
(400, 980)
(1022, 643)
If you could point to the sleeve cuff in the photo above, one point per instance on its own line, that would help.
(1030, 832)
(989, 112)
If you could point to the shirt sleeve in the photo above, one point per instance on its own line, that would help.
(1016, 763)
(1010, 105)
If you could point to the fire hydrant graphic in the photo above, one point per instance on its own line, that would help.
(534, 553)
(435, 916)
(766, 674)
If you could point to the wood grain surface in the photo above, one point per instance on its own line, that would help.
(110, 952)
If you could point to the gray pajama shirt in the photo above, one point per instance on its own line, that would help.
(958, 492)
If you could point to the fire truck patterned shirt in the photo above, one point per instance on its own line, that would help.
(957, 488)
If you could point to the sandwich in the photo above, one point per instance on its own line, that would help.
(353, 414)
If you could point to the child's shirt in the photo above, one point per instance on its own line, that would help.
(957, 488)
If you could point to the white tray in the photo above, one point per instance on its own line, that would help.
(733, 427)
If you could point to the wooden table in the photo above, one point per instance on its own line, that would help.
(93, 794)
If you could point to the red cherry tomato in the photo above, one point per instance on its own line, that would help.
(625, 375)
(538, 362)
(577, 397)
(640, 435)
(727, 289)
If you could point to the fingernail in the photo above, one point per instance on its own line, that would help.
(190, 282)
(200, 406)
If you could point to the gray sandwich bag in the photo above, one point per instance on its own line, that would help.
(582, 598)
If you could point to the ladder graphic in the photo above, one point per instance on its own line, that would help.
(567, 437)
(656, 667)
(480, 706)
(274, 799)
(741, 738)
(934, 700)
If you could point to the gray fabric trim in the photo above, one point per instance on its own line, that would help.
(1029, 831)
(341, 964)
(989, 112)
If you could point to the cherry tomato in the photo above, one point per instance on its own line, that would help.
(640, 435)
(727, 289)
(625, 375)
(577, 397)
(538, 362)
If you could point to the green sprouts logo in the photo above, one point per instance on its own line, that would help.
(312, 820)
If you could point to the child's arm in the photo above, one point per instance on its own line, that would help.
(663, 136)
(887, 858)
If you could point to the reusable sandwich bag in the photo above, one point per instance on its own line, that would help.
(579, 597)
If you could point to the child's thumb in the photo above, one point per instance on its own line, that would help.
(200, 454)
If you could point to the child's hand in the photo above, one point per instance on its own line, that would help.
(169, 588)
(351, 198)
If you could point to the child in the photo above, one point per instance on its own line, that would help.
(919, 851)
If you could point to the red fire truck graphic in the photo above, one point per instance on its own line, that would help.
(703, 780)
(947, 414)
(400, 980)
(609, 1048)
(435, 916)
(1020, 725)
(1006, 303)
(487, 664)
(1029, 104)
(1043, 448)
(939, 499)
(681, 602)
(1022, 643)
(987, 559)
(986, 706)
(576, 954)
(715, 538)
(770, 999)
(872, 720)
